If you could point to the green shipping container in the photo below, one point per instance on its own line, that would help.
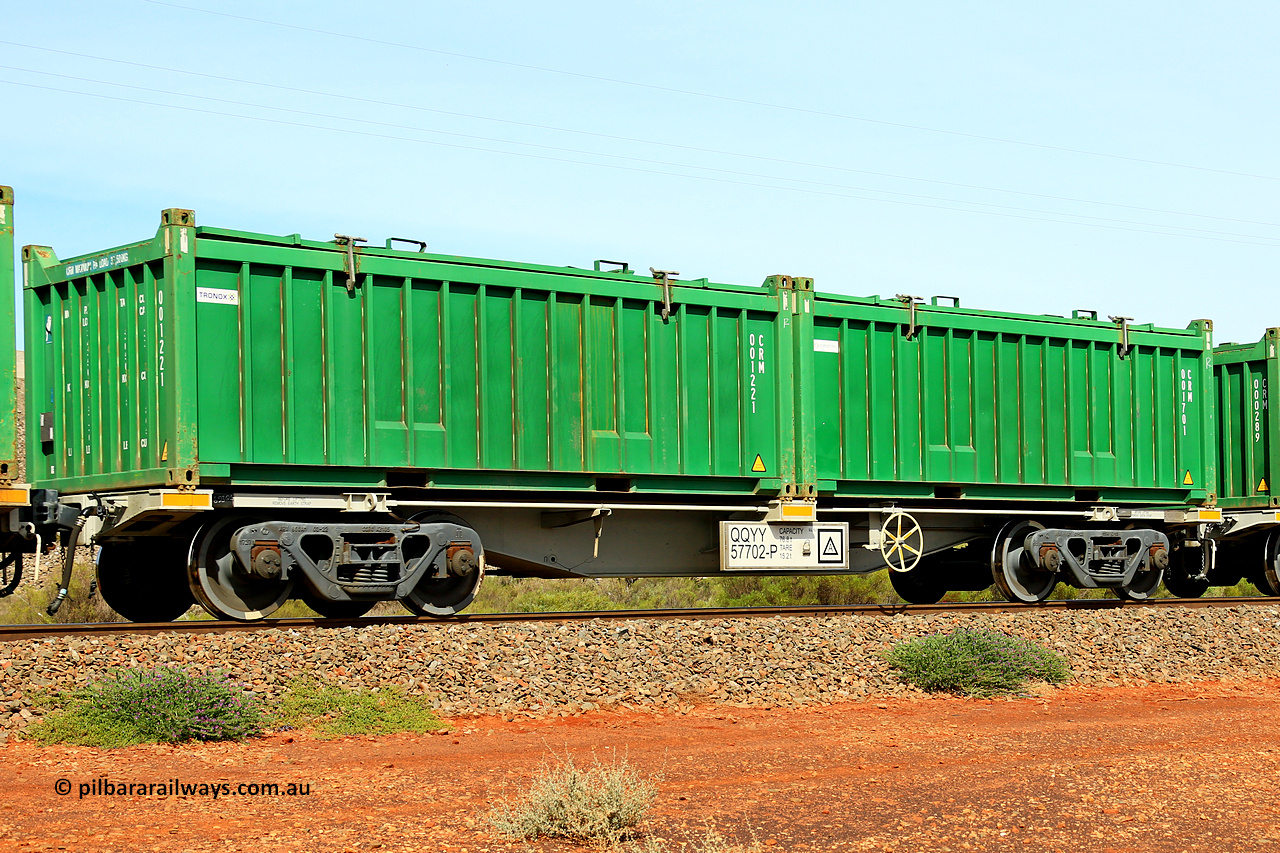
(937, 401)
(207, 357)
(8, 345)
(1248, 429)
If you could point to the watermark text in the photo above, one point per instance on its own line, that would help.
(104, 786)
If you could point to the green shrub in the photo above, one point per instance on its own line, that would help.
(713, 841)
(566, 601)
(163, 705)
(336, 712)
(601, 803)
(975, 662)
(792, 590)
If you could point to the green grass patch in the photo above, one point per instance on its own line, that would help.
(601, 803)
(83, 604)
(332, 711)
(163, 705)
(976, 662)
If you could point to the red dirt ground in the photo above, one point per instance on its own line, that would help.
(1158, 768)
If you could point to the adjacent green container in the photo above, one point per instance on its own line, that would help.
(8, 344)
(206, 356)
(938, 401)
(1248, 428)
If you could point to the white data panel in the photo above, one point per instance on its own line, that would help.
(763, 546)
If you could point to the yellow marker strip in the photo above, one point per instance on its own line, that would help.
(10, 497)
(187, 500)
(1211, 515)
(797, 512)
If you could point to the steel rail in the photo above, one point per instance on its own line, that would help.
(9, 633)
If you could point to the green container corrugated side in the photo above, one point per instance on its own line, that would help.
(8, 343)
(982, 404)
(206, 356)
(1248, 428)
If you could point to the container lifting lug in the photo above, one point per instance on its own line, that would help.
(910, 302)
(663, 277)
(1123, 323)
(351, 269)
(421, 244)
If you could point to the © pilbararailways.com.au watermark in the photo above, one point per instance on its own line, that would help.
(104, 786)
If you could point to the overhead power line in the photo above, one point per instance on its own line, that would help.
(618, 138)
(1171, 231)
(711, 95)
(644, 160)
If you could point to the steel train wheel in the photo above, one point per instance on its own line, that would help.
(449, 595)
(144, 580)
(1144, 583)
(1017, 578)
(446, 596)
(1183, 562)
(221, 585)
(921, 585)
(1142, 587)
(1267, 578)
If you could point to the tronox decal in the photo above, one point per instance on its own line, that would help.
(217, 296)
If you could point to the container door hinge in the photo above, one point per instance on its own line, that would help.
(350, 267)
(1123, 323)
(663, 277)
(910, 303)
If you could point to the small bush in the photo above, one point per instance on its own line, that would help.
(83, 604)
(566, 601)
(790, 590)
(164, 705)
(975, 663)
(601, 803)
(335, 712)
(712, 842)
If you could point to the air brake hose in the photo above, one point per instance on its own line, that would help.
(68, 562)
(15, 559)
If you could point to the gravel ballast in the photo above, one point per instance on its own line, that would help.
(548, 668)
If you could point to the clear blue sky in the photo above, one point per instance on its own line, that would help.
(1023, 156)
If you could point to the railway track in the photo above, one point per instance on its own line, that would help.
(32, 632)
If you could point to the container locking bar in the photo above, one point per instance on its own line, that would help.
(663, 277)
(351, 269)
(910, 303)
(1123, 323)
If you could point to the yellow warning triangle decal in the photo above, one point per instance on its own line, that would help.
(164, 453)
(1187, 481)
(1262, 485)
(758, 465)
